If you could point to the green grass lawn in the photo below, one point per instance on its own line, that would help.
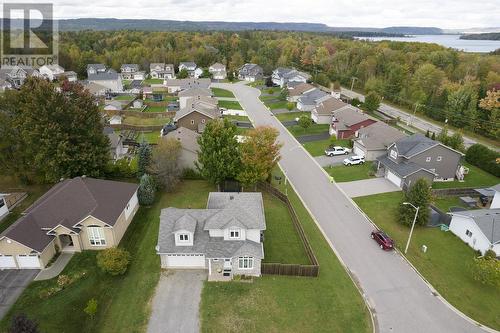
(317, 148)
(446, 264)
(329, 303)
(289, 116)
(256, 83)
(233, 105)
(153, 81)
(342, 173)
(277, 105)
(149, 137)
(151, 108)
(282, 243)
(124, 98)
(475, 178)
(138, 121)
(219, 92)
(445, 203)
(296, 130)
(265, 98)
(237, 118)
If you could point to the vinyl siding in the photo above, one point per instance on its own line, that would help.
(446, 168)
(478, 241)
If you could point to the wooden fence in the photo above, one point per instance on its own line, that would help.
(443, 192)
(138, 128)
(311, 270)
(140, 114)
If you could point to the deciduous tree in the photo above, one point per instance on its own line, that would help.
(419, 194)
(165, 163)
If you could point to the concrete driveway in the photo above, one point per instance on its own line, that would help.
(12, 284)
(326, 161)
(400, 298)
(360, 188)
(176, 302)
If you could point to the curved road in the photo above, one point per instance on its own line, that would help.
(402, 302)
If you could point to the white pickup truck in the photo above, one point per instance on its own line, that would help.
(337, 150)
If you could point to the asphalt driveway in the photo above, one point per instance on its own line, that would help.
(360, 188)
(12, 284)
(176, 302)
(326, 161)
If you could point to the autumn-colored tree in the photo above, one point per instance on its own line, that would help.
(491, 103)
(164, 165)
(259, 155)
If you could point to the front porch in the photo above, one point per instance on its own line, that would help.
(68, 243)
(220, 269)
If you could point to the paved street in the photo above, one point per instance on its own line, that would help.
(401, 300)
(416, 122)
(176, 302)
(12, 284)
(361, 188)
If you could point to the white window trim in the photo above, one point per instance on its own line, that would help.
(428, 159)
(185, 236)
(393, 154)
(249, 261)
(96, 235)
(192, 122)
(468, 233)
(235, 230)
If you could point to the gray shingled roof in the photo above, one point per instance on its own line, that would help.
(246, 207)
(298, 88)
(414, 144)
(67, 203)
(96, 66)
(195, 91)
(203, 105)
(328, 106)
(347, 116)
(188, 83)
(188, 63)
(403, 169)
(134, 66)
(488, 220)
(187, 138)
(312, 97)
(378, 136)
(185, 222)
(101, 76)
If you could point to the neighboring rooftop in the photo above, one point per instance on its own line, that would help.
(378, 136)
(404, 168)
(415, 144)
(488, 220)
(347, 116)
(187, 138)
(328, 106)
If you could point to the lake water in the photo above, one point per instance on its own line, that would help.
(453, 41)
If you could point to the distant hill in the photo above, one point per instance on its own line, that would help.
(483, 36)
(413, 30)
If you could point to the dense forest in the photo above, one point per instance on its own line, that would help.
(442, 83)
(483, 36)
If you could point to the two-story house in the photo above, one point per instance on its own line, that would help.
(311, 98)
(417, 156)
(197, 113)
(295, 90)
(250, 72)
(191, 68)
(161, 71)
(186, 94)
(225, 238)
(323, 112)
(176, 85)
(218, 71)
(347, 120)
(282, 76)
(131, 72)
(107, 78)
(95, 68)
(372, 141)
(16, 75)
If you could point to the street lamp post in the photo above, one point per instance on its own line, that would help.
(412, 225)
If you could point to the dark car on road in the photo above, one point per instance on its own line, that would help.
(384, 241)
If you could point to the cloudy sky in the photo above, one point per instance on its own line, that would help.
(446, 14)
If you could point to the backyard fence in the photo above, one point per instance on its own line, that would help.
(138, 128)
(443, 192)
(311, 270)
(140, 114)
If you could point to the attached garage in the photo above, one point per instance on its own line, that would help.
(357, 150)
(7, 262)
(28, 261)
(393, 178)
(183, 261)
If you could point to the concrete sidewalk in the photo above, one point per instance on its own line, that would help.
(56, 268)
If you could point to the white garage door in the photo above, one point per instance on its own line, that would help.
(358, 151)
(28, 261)
(7, 262)
(394, 179)
(186, 260)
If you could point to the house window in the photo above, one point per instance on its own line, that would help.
(439, 158)
(203, 121)
(428, 159)
(468, 233)
(394, 154)
(96, 236)
(234, 233)
(245, 262)
(192, 122)
(2, 202)
(184, 237)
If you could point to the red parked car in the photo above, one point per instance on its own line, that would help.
(384, 241)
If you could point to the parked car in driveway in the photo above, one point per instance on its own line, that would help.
(336, 150)
(384, 241)
(354, 160)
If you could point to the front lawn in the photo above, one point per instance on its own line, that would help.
(237, 118)
(317, 148)
(476, 178)
(230, 105)
(291, 116)
(296, 130)
(277, 105)
(328, 303)
(138, 121)
(342, 173)
(446, 264)
(153, 81)
(219, 92)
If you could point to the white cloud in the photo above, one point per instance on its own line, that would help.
(352, 13)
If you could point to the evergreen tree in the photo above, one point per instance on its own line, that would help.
(144, 158)
(372, 102)
(146, 191)
(428, 134)
(419, 194)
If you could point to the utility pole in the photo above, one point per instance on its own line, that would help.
(410, 120)
(412, 225)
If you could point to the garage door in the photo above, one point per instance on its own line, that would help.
(358, 151)
(28, 261)
(7, 262)
(186, 260)
(394, 178)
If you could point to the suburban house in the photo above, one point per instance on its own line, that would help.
(309, 99)
(190, 67)
(479, 228)
(495, 203)
(4, 210)
(56, 72)
(372, 141)
(116, 148)
(281, 76)
(95, 68)
(250, 72)
(186, 94)
(95, 89)
(108, 78)
(218, 71)
(296, 90)
(115, 120)
(347, 120)
(162, 71)
(190, 146)
(114, 105)
(74, 215)
(417, 156)
(16, 75)
(132, 72)
(175, 85)
(225, 238)
(323, 112)
(197, 113)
